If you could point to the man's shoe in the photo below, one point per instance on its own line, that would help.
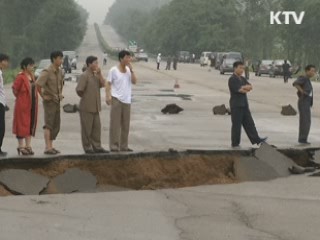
(262, 140)
(90, 151)
(236, 147)
(126, 150)
(101, 150)
(114, 150)
(3, 154)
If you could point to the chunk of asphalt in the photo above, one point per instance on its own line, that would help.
(73, 180)
(172, 109)
(288, 111)
(316, 157)
(23, 182)
(252, 169)
(276, 160)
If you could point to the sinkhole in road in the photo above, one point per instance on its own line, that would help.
(141, 171)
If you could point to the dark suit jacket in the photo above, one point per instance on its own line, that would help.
(237, 99)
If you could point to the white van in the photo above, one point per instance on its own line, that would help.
(205, 59)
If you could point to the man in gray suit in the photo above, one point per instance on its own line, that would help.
(305, 102)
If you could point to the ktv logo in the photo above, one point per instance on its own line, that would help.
(288, 17)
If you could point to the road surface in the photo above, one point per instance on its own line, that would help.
(283, 209)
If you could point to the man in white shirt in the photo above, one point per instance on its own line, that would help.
(158, 61)
(118, 95)
(4, 63)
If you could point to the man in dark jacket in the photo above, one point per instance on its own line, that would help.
(305, 102)
(240, 112)
(286, 71)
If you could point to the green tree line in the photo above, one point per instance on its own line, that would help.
(220, 25)
(36, 27)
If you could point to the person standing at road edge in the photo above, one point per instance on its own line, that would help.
(305, 102)
(240, 112)
(88, 89)
(118, 95)
(51, 84)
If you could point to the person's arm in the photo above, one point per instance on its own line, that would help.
(298, 85)
(134, 79)
(101, 78)
(108, 93)
(235, 86)
(82, 85)
(17, 85)
(41, 82)
(108, 86)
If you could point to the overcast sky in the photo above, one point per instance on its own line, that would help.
(96, 8)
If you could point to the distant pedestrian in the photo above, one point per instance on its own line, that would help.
(193, 57)
(169, 60)
(158, 61)
(4, 64)
(175, 62)
(66, 64)
(118, 94)
(286, 71)
(305, 102)
(240, 112)
(105, 58)
(51, 83)
(88, 89)
(26, 107)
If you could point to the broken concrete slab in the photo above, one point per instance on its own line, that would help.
(252, 169)
(288, 111)
(69, 108)
(23, 182)
(276, 160)
(316, 157)
(301, 170)
(172, 109)
(221, 110)
(73, 180)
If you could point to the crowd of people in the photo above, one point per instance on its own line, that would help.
(118, 87)
(49, 86)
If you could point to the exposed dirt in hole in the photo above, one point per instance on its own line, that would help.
(150, 173)
(4, 192)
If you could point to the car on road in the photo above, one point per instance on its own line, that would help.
(142, 57)
(276, 68)
(184, 57)
(227, 65)
(73, 58)
(43, 64)
(219, 59)
(205, 58)
(235, 55)
(263, 67)
(228, 60)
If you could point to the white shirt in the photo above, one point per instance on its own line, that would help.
(158, 59)
(2, 92)
(121, 85)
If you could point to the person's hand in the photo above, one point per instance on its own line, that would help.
(46, 98)
(109, 101)
(129, 65)
(98, 72)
